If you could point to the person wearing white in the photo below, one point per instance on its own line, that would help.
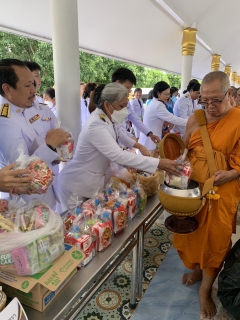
(156, 114)
(186, 105)
(127, 79)
(97, 146)
(85, 99)
(22, 123)
(136, 106)
(84, 110)
(50, 100)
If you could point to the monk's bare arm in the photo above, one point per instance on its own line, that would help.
(190, 128)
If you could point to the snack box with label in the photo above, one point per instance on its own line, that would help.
(39, 290)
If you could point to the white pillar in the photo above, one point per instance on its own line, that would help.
(186, 71)
(65, 41)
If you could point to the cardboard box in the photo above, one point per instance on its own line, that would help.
(39, 290)
(13, 310)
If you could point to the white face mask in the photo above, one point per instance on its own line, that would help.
(119, 116)
(49, 103)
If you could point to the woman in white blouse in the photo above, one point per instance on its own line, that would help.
(98, 146)
(156, 114)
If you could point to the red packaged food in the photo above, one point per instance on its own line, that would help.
(119, 217)
(3, 205)
(66, 151)
(42, 175)
(132, 205)
(103, 232)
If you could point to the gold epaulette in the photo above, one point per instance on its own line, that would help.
(5, 110)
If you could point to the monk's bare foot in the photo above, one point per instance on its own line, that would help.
(192, 277)
(207, 306)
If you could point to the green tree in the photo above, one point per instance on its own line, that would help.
(12, 46)
(93, 68)
(174, 80)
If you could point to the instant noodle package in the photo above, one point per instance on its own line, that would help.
(91, 224)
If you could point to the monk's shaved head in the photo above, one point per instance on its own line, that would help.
(220, 76)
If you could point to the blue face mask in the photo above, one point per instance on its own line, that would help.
(174, 99)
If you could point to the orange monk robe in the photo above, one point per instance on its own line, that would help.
(209, 244)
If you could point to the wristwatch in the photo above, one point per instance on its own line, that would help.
(50, 147)
(150, 132)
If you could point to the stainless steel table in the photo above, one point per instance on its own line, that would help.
(80, 289)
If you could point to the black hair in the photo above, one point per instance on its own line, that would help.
(122, 75)
(172, 90)
(50, 92)
(137, 90)
(193, 85)
(97, 94)
(89, 87)
(160, 87)
(7, 73)
(150, 94)
(33, 66)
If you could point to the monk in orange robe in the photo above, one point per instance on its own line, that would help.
(205, 250)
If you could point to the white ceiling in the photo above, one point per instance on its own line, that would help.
(139, 31)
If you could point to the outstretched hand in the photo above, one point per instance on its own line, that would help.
(154, 138)
(170, 166)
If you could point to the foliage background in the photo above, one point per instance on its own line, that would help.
(92, 68)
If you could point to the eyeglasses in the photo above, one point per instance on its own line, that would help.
(215, 103)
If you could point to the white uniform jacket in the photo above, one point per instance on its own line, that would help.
(38, 99)
(155, 115)
(27, 127)
(54, 110)
(96, 148)
(124, 137)
(184, 107)
(137, 122)
(136, 107)
(84, 110)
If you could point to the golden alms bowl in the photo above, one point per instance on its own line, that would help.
(182, 203)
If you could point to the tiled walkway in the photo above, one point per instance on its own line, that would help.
(167, 298)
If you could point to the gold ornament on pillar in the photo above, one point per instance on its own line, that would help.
(238, 80)
(215, 62)
(228, 70)
(189, 41)
(234, 76)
